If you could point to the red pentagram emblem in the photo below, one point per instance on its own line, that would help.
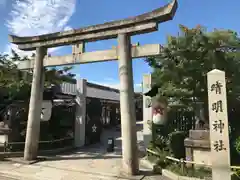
(158, 111)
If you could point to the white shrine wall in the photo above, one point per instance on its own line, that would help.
(93, 92)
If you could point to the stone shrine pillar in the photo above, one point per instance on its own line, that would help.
(147, 110)
(80, 121)
(218, 123)
(127, 106)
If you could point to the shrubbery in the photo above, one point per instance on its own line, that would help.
(237, 145)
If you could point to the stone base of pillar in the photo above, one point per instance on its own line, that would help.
(198, 146)
(130, 171)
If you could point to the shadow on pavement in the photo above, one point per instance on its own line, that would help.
(99, 150)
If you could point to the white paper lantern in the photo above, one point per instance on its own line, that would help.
(46, 110)
(159, 115)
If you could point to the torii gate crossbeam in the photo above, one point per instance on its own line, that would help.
(80, 57)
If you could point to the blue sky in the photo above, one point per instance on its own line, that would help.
(31, 17)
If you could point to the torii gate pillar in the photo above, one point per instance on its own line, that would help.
(128, 117)
(33, 125)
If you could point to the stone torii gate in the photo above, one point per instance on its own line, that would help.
(120, 29)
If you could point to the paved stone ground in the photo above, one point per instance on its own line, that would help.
(88, 163)
(6, 178)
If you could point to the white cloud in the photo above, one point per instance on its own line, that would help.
(35, 17)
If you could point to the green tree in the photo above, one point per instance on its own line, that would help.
(16, 84)
(181, 68)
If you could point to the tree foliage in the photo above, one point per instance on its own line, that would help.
(16, 84)
(181, 68)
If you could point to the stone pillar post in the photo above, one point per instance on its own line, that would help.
(128, 116)
(34, 114)
(218, 123)
(147, 110)
(80, 121)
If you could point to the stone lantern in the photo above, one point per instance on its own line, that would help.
(197, 145)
